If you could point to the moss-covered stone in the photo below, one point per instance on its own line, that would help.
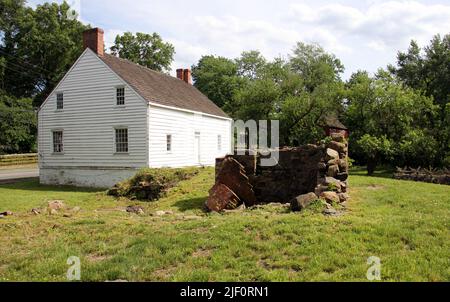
(151, 184)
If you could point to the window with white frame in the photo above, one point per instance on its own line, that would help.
(60, 101)
(169, 142)
(58, 146)
(121, 140)
(120, 96)
(219, 142)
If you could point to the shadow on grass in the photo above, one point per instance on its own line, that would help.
(381, 172)
(34, 185)
(191, 204)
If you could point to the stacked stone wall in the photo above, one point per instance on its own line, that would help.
(318, 169)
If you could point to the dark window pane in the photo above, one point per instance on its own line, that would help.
(169, 142)
(60, 101)
(121, 140)
(120, 95)
(58, 142)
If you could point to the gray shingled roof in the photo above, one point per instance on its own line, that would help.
(160, 88)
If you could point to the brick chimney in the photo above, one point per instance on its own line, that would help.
(180, 74)
(93, 38)
(185, 75)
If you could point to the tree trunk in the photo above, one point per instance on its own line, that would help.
(371, 166)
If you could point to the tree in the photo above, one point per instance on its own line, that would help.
(302, 114)
(374, 148)
(411, 67)
(39, 46)
(17, 125)
(256, 100)
(299, 92)
(217, 78)
(384, 116)
(417, 148)
(315, 66)
(251, 64)
(10, 10)
(148, 50)
(313, 90)
(428, 70)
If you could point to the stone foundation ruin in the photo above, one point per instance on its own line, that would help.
(301, 176)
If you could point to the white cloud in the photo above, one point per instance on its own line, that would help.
(363, 34)
(377, 45)
(383, 23)
(110, 36)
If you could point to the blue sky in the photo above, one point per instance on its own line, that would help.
(364, 34)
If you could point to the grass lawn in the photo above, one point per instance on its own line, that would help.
(405, 224)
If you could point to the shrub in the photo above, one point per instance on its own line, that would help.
(151, 184)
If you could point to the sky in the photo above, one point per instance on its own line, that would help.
(363, 34)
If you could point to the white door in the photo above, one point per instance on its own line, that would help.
(197, 148)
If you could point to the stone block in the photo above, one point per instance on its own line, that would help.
(222, 198)
(333, 171)
(331, 155)
(339, 147)
(330, 197)
(303, 201)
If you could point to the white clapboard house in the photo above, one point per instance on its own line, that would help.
(109, 117)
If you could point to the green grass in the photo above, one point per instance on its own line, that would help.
(405, 224)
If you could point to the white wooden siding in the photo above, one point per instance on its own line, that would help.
(183, 126)
(89, 117)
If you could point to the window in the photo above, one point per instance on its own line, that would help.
(122, 140)
(58, 146)
(169, 142)
(120, 96)
(219, 142)
(60, 101)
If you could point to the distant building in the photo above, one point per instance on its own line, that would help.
(333, 125)
(109, 117)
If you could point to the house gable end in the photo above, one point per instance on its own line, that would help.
(88, 53)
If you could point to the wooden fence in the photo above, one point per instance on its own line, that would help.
(424, 175)
(18, 159)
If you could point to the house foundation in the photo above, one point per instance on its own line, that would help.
(84, 177)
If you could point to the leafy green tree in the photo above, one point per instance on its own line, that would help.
(313, 90)
(411, 67)
(417, 148)
(39, 46)
(256, 100)
(145, 49)
(381, 109)
(217, 78)
(302, 114)
(299, 92)
(315, 66)
(428, 70)
(374, 149)
(251, 64)
(17, 125)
